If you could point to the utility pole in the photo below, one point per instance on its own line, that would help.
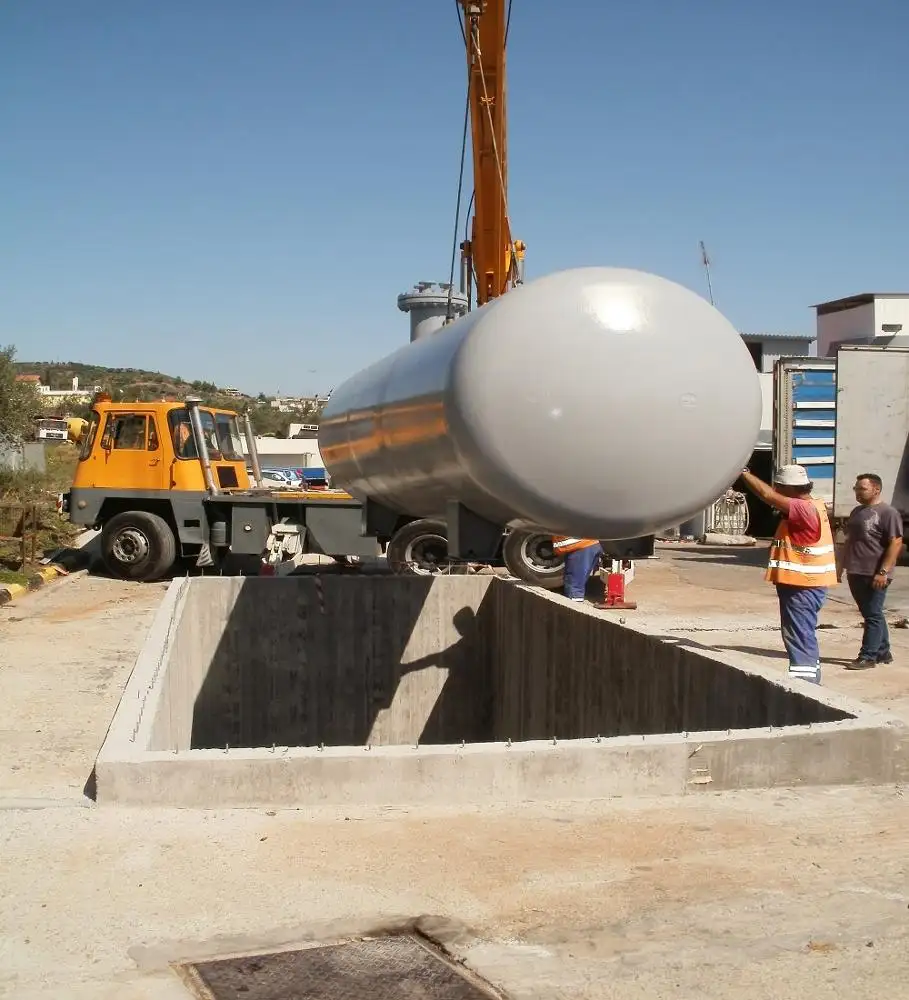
(705, 260)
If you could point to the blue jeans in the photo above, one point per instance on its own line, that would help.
(578, 567)
(799, 608)
(876, 636)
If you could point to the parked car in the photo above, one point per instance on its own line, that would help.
(287, 476)
(270, 480)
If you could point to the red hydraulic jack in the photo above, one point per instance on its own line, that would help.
(616, 578)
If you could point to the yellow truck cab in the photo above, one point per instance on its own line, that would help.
(150, 447)
(169, 480)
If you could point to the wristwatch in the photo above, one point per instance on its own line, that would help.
(882, 572)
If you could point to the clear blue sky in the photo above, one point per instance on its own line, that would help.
(239, 191)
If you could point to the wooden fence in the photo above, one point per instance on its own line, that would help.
(19, 524)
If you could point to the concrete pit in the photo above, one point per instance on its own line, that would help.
(405, 690)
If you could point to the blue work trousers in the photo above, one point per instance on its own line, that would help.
(799, 608)
(876, 636)
(578, 567)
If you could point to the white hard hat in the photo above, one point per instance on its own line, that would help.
(791, 475)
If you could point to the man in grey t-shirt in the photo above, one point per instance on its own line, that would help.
(874, 541)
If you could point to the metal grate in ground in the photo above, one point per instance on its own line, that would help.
(381, 969)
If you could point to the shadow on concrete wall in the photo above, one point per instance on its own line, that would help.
(296, 668)
(465, 701)
(558, 672)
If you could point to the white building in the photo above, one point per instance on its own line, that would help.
(870, 317)
(288, 453)
(74, 395)
(768, 347)
(303, 431)
(296, 404)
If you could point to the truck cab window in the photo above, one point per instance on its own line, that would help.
(152, 435)
(182, 432)
(88, 441)
(211, 436)
(184, 443)
(124, 432)
(230, 443)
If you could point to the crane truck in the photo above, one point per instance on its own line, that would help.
(168, 480)
(438, 446)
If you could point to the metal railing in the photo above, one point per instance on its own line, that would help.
(19, 523)
(729, 515)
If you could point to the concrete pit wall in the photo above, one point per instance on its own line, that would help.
(299, 661)
(397, 690)
(557, 671)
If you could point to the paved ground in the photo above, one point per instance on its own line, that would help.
(769, 895)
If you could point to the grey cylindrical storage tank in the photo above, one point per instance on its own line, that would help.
(428, 307)
(598, 402)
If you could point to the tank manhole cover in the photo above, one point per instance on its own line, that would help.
(381, 969)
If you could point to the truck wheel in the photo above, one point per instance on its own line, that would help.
(530, 558)
(420, 547)
(138, 545)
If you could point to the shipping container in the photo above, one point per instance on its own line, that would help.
(872, 411)
(805, 419)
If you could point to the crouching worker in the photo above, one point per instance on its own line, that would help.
(802, 564)
(581, 555)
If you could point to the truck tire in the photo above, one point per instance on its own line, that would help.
(529, 556)
(138, 545)
(420, 547)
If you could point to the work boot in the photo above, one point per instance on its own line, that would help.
(810, 674)
(861, 664)
(885, 659)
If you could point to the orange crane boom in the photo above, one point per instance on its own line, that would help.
(492, 258)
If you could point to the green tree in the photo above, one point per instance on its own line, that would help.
(19, 402)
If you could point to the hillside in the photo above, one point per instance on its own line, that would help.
(138, 385)
(133, 383)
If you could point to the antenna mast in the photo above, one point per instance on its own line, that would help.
(705, 260)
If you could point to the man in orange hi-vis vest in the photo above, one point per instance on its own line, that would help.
(581, 555)
(802, 564)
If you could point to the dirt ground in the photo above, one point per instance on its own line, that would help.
(783, 894)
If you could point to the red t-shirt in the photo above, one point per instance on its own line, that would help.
(804, 522)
